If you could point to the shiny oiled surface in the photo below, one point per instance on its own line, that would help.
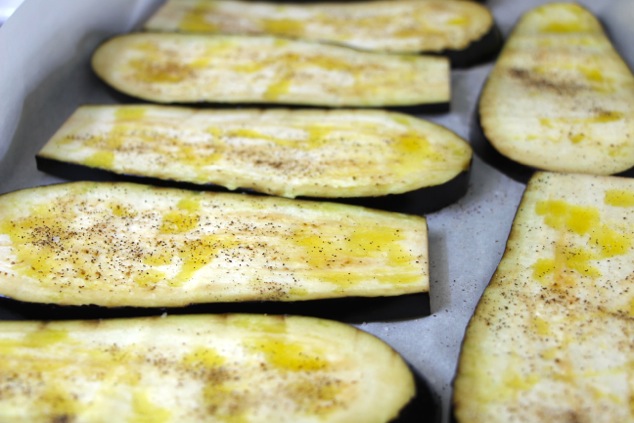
(192, 68)
(402, 27)
(551, 337)
(560, 97)
(226, 368)
(120, 244)
(285, 152)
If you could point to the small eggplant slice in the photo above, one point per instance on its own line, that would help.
(551, 338)
(409, 26)
(560, 98)
(189, 68)
(123, 244)
(194, 368)
(339, 155)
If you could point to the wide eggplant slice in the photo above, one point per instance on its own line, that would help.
(123, 244)
(225, 368)
(190, 68)
(551, 338)
(560, 98)
(339, 155)
(455, 28)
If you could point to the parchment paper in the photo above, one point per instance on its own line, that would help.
(45, 48)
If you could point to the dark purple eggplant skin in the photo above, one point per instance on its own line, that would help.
(424, 407)
(350, 310)
(419, 202)
(480, 51)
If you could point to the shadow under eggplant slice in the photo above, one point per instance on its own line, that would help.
(352, 310)
(419, 202)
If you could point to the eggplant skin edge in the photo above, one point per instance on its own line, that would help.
(419, 202)
(438, 108)
(353, 310)
(479, 51)
(519, 172)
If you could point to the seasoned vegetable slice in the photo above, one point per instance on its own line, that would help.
(432, 26)
(343, 154)
(195, 368)
(123, 244)
(551, 339)
(187, 68)
(560, 98)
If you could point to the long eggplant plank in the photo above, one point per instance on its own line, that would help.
(551, 338)
(234, 69)
(195, 368)
(463, 30)
(358, 156)
(122, 244)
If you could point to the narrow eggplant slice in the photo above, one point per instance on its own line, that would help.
(187, 68)
(551, 339)
(339, 155)
(123, 244)
(409, 26)
(226, 368)
(560, 98)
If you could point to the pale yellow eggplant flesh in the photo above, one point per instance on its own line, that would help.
(464, 31)
(194, 368)
(129, 245)
(374, 158)
(551, 337)
(226, 69)
(559, 98)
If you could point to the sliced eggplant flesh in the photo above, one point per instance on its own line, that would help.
(191, 68)
(124, 244)
(551, 338)
(560, 98)
(412, 26)
(225, 368)
(289, 153)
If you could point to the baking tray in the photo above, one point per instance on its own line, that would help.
(45, 49)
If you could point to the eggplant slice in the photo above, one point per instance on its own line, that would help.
(347, 155)
(123, 244)
(551, 338)
(195, 368)
(189, 68)
(560, 98)
(456, 28)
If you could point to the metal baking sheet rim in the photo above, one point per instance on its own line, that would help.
(45, 49)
